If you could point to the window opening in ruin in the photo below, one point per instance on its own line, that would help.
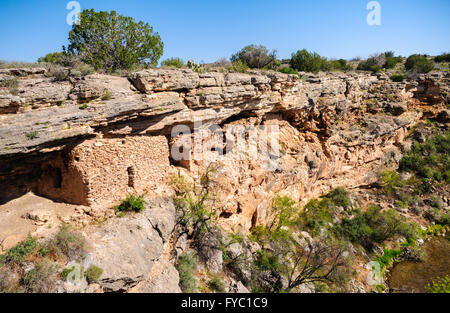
(58, 178)
(131, 176)
(254, 219)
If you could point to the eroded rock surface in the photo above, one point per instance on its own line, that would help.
(96, 139)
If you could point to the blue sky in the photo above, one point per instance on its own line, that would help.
(208, 30)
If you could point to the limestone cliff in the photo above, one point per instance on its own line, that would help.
(90, 141)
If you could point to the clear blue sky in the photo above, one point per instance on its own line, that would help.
(208, 30)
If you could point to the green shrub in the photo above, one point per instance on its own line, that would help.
(288, 70)
(107, 95)
(340, 65)
(21, 250)
(430, 161)
(32, 135)
(216, 284)
(305, 61)
(381, 288)
(12, 85)
(317, 214)
(65, 272)
(390, 182)
(445, 57)
(66, 243)
(132, 203)
(93, 273)
(369, 65)
(193, 204)
(419, 62)
(81, 69)
(388, 257)
(238, 66)
(110, 41)
(255, 56)
(58, 72)
(391, 62)
(440, 285)
(173, 62)
(42, 278)
(55, 58)
(186, 266)
(267, 261)
(375, 226)
(340, 197)
(398, 78)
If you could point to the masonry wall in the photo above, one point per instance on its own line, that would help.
(102, 171)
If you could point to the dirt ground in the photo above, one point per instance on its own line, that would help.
(30, 214)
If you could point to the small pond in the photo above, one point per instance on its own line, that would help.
(409, 276)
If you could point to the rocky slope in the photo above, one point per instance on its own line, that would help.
(334, 129)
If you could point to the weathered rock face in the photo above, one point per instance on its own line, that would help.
(332, 131)
(95, 139)
(125, 264)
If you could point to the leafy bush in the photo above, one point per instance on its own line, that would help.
(305, 61)
(93, 273)
(388, 257)
(42, 278)
(107, 95)
(340, 65)
(192, 202)
(186, 266)
(21, 250)
(132, 203)
(173, 62)
(110, 41)
(398, 78)
(391, 62)
(12, 85)
(340, 197)
(238, 66)
(57, 65)
(391, 182)
(420, 63)
(430, 161)
(16, 64)
(255, 56)
(374, 64)
(217, 284)
(445, 57)
(283, 210)
(440, 285)
(61, 58)
(267, 261)
(288, 70)
(318, 214)
(81, 69)
(58, 72)
(67, 243)
(375, 226)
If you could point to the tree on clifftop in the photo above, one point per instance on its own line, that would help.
(255, 56)
(111, 41)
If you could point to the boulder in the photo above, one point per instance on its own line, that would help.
(126, 249)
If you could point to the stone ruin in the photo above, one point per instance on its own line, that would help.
(105, 170)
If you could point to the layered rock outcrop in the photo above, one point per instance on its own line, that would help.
(333, 129)
(92, 140)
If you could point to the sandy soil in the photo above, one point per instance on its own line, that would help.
(30, 214)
